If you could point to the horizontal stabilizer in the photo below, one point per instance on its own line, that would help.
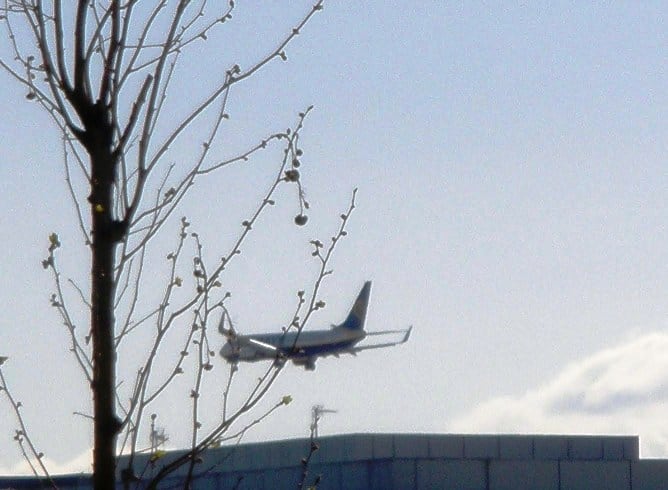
(386, 332)
(407, 334)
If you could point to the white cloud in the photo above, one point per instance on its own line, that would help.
(622, 390)
(79, 464)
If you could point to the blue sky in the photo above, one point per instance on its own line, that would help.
(512, 206)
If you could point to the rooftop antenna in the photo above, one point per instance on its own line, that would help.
(317, 411)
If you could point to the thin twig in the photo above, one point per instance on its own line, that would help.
(23, 435)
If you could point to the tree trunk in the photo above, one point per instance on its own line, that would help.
(106, 423)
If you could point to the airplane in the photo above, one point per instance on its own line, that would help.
(303, 348)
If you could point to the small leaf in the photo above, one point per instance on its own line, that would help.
(286, 400)
(54, 242)
(157, 455)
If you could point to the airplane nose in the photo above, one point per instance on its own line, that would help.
(227, 351)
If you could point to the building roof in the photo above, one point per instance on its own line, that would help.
(416, 461)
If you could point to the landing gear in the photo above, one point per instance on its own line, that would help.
(280, 361)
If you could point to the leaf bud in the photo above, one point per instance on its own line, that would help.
(292, 175)
(301, 219)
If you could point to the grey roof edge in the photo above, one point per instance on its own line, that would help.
(360, 446)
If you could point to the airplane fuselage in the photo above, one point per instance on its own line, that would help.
(303, 348)
(298, 347)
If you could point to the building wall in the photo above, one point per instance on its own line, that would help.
(418, 461)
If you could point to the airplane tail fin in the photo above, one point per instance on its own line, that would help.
(357, 315)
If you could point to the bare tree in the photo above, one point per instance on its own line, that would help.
(103, 70)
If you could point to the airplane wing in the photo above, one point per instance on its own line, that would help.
(262, 346)
(232, 336)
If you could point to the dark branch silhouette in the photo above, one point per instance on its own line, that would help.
(102, 71)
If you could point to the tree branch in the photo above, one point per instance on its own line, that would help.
(22, 435)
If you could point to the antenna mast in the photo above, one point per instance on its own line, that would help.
(317, 411)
